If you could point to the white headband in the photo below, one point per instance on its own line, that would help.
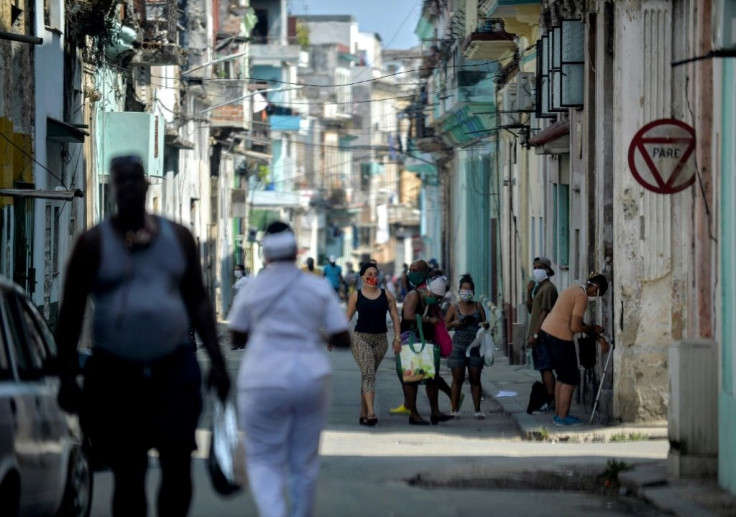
(279, 245)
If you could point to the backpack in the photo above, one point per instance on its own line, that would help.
(537, 398)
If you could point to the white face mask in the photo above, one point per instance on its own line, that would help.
(594, 298)
(238, 273)
(540, 275)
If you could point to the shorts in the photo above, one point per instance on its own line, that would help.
(458, 359)
(134, 405)
(541, 356)
(564, 359)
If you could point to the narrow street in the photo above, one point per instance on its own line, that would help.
(463, 467)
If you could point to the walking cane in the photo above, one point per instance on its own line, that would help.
(600, 386)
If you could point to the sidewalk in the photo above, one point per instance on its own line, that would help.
(504, 377)
(684, 497)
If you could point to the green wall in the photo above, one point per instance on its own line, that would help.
(726, 399)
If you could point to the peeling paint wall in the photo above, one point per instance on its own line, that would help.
(651, 231)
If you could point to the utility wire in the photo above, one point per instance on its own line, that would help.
(23, 151)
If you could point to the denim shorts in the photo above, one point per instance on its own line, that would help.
(541, 356)
(458, 359)
(564, 359)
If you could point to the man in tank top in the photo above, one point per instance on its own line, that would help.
(142, 383)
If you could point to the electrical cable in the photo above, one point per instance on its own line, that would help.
(23, 151)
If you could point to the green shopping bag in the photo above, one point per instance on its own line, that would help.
(418, 362)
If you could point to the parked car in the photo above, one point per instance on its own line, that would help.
(44, 469)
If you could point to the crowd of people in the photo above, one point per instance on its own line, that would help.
(142, 385)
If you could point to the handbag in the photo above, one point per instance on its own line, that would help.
(587, 351)
(226, 460)
(442, 338)
(417, 362)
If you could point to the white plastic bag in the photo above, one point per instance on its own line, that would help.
(226, 462)
(484, 340)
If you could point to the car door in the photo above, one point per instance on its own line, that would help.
(43, 443)
(54, 424)
(8, 407)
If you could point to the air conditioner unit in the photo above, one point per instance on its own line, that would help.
(525, 91)
(725, 30)
(138, 133)
(509, 111)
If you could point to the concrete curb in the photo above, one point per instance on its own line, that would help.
(679, 496)
(519, 380)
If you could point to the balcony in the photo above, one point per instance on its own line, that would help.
(333, 114)
(470, 112)
(230, 115)
(260, 134)
(403, 215)
(429, 62)
(288, 123)
(156, 20)
(520, 17)
(490, 42)
(273, 54)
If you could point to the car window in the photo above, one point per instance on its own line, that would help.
(37, 325)
(30, 350)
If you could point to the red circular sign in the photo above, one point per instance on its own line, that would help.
(661, 156)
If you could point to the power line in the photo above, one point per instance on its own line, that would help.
(401, 26)
(23, 151)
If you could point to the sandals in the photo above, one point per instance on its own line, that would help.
(370, 421)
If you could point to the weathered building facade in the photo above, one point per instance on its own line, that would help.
(564, 185)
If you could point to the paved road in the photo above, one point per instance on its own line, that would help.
(368, 471)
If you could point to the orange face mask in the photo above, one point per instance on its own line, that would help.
(371, 280)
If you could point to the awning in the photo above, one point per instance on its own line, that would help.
(65, 195)
(553, 132)
(62, 132)
(258, 156)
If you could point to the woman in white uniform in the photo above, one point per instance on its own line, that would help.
(284, 378)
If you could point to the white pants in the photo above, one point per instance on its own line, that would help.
(282, 430)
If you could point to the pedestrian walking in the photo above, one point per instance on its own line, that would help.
(351, 279)
(415, 303)
(333, 273)
(142, 382)
(370, 342)
(284, 377)
(404, 282)
(309, 267)
(558, 330)
(465, 318)
(541, 295)
(240, 278)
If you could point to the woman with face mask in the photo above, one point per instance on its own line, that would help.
(465, 318)
(369, 343)
(240, 278)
